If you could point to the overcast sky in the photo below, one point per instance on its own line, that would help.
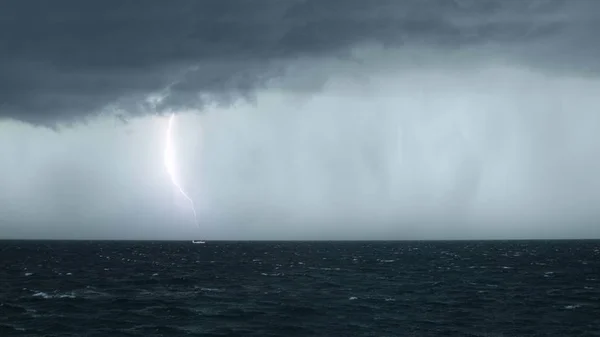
(300, 119)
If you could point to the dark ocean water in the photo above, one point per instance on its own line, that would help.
(537, 288)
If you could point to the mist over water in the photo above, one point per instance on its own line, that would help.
(375, 148)
(415, 152)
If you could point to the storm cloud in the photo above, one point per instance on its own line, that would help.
(322, 119)
(67, 60)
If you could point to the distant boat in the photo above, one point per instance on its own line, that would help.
(198, 242)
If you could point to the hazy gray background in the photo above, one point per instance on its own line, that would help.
(301, 119)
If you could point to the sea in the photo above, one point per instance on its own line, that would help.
(412, 288)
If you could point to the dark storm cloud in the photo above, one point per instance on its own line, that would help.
(65, 60)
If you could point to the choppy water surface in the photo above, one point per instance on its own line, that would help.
(537, 288)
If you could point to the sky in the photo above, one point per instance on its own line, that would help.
(300, 119)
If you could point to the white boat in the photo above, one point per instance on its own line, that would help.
(198, 242)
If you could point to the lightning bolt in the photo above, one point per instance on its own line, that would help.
(170, 164)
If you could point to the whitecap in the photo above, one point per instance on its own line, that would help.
(272, 274)
(216, 290)
(51, 296)
(41, 294)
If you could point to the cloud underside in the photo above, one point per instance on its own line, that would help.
(67, 60)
